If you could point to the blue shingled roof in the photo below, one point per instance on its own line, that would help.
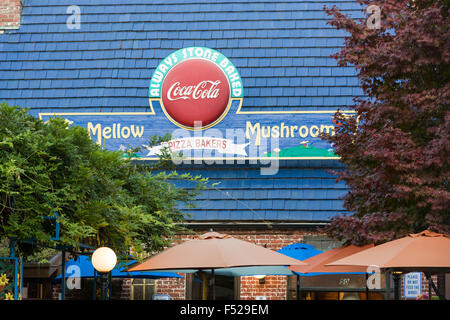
(298, 192)
(281, 49)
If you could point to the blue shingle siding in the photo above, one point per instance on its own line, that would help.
(281, 48)
(298, 192)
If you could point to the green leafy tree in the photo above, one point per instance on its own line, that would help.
(99, 197)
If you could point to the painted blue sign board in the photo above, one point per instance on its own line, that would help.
(195, 95)
(251, 135)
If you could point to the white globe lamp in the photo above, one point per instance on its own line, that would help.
(104, 259)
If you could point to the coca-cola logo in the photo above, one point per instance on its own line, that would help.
(195, 92)
(195, 87)
(203, 90)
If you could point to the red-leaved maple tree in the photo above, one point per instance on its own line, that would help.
(396, 147)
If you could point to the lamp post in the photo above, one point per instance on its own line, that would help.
(104, 260)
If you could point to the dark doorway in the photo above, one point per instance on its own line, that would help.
(225, 287)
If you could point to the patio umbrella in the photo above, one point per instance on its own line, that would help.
(318, 264)
(253, 271)
(212, 251)
(239, 271)
(299, 251)
(426, 251)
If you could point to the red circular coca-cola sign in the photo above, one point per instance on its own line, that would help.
(195, 93)
(195, 87)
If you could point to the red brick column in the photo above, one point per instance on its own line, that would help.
(274, 288)
(174, 287)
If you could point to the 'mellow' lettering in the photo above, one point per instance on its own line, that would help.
(116, 131)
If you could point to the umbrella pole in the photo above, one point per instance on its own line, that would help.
(429, 285)
(397, 278)
(367, 287)
(213, 285)
(204, 286)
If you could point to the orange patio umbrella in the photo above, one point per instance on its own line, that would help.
(213, 250)
(425, 251)
(318, 263)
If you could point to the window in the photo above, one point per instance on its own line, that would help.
(142, 289)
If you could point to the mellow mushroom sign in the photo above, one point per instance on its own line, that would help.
(196, 95)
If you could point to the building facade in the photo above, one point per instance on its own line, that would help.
(128, 69)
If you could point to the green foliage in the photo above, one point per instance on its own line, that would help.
(41, 255)
(99, 197)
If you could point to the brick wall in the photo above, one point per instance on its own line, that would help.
(274, 288)
(174, 287)
(126, 290)
(10, 14)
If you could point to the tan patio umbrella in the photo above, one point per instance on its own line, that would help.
(426, 251)
(213, 250)
(318, 263)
